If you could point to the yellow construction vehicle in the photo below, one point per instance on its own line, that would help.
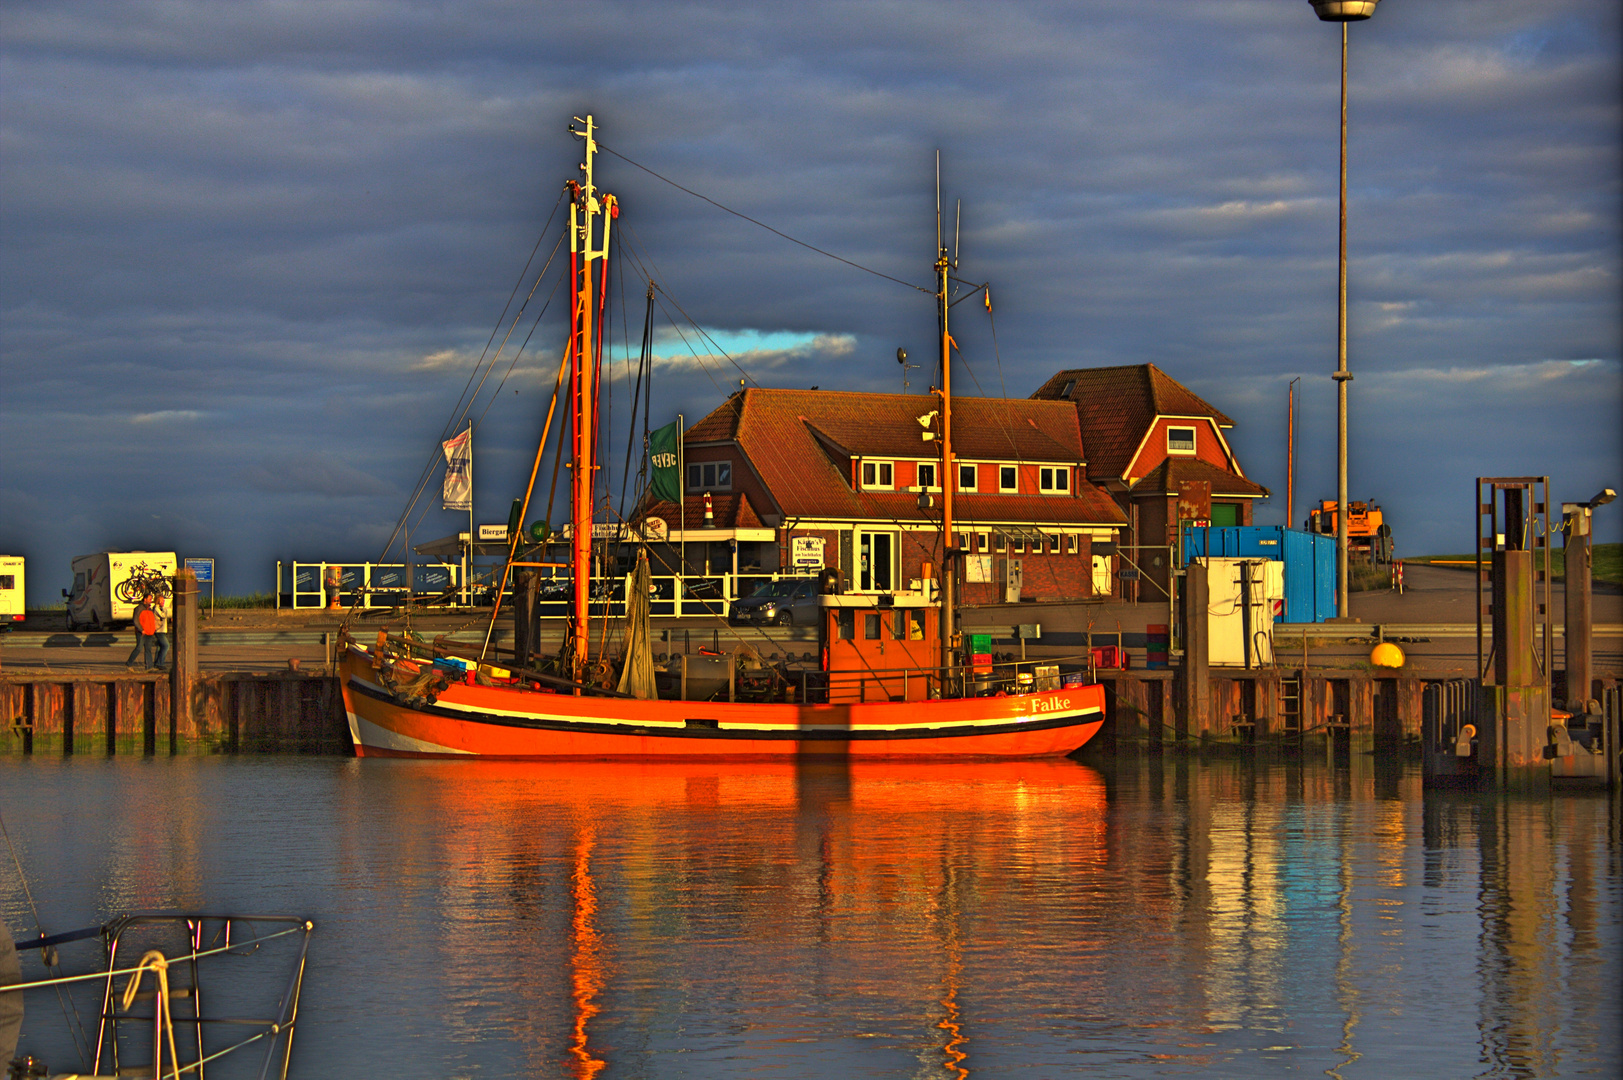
(1368, 536)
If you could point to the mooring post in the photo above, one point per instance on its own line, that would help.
(183, 661)
(525, 586)
(1196, 652)
(1578, 641)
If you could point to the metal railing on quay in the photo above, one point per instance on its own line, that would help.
(302, 586)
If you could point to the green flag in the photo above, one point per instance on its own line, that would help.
(664, 481)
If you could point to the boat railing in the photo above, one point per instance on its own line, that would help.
(912, 684)
(163, 1003)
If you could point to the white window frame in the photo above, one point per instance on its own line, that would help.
(1073, 543)
(983, 542)
(884, 476)
(716, 468)
(865, 579)
(973, 474)
(1054, 479)
(1194, 440)
(935, 469)
(1001, 486)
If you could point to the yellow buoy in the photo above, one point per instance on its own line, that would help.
(1386, 654)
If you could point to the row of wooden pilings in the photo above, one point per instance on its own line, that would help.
(133, 714)
(178, 712)
(296, 712)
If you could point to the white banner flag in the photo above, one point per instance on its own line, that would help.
(459, 471)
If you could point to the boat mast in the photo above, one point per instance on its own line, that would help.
(585, 248)
(948, 481)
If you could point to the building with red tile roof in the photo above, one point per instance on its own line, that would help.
(1159, 450)
(803, 479)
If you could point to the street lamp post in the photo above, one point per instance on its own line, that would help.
(1343, 12)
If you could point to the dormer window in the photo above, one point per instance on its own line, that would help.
(1180, 440)
(710, 476)
(1054, 480)
(1070, 384)
(1008, 478)
(927, 474)
(878, 474)
(966, 478)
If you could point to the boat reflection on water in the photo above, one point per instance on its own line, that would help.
(627, 884)
(1165, 916)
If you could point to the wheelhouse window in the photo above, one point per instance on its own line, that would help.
(1008, 478)
(878, 474)
(927, 474)
(1055, 479)
(1180, 440)
(966, 478)
(710, 476)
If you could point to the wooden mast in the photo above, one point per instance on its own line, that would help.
(585, 248)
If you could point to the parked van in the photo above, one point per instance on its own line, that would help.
(96, 599)
(13, 596)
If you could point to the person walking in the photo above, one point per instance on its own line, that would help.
(146, 625)
(160, 631)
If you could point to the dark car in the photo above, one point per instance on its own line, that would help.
(778, 603)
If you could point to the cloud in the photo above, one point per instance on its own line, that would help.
(167, 416)
(270, 241)
(313, 474)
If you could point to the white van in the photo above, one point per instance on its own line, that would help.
(13, 597)
(96, 600)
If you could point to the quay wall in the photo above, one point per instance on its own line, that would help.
(291, 712)
(303, 713)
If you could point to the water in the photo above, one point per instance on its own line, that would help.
(479, 919)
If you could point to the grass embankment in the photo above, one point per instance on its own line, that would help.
(1608, 566)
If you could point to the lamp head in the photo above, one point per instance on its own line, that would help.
(1344, 10)
(901, 356)
(1606, 495)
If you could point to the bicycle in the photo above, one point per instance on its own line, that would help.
(143, 581)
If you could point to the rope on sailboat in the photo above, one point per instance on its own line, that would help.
(762, 224)
(458, 410)
(154, 961)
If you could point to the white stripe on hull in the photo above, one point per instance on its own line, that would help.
(370, 735)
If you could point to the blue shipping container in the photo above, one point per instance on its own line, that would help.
(1310, 562)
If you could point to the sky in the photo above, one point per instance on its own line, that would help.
(250, 253)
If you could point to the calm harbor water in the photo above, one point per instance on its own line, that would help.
(1156, 918)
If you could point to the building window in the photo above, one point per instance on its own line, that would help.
(926, 474)
(1070, 544)
(1008, 478)
(877, 474)
(876, 566)
(983, 542)
(1180, 440)
(1056, 478)
(997, 541)
(1070, 384)
(1017, 545)
(1055, 540)
(710, 476)
(966, 478)
(963, 542)
(870, 626)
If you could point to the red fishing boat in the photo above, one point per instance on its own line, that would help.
(405, 700)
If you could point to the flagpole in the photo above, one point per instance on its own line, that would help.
(681, 509)
(467, 566)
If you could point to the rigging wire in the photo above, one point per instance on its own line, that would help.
(460, 411)
(762, 224)
(77, 1030)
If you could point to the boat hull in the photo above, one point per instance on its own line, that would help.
(506, 722)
